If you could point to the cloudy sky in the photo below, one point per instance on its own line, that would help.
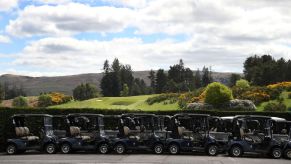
(64, 37)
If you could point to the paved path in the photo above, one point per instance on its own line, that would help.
(32, 158)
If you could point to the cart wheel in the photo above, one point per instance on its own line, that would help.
(103, 148)
(236, 151)
(276, 153)
(158, 148)
(66, 148)
(120, 149)
(50, 148)
(212, 150)
(287, 153)
(11, 149)
(174, 149)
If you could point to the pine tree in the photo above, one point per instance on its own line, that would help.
(161, 81)
(197, 79)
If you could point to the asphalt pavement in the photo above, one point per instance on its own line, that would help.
(85, 158)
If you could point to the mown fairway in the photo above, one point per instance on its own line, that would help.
(131, 103)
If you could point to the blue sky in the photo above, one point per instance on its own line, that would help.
(65, 37)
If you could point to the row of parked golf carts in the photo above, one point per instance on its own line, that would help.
(235, 135)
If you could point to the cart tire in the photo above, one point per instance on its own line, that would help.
(287, 153)
(212, 150)
(11, 149)
(276, 153)
(50, 148)
(158, 149)
(103, 148)
(174, 149)
(236, 151)
(66, 148)
(119, 149)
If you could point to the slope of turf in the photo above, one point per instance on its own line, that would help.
(131, 103)
(286, 101)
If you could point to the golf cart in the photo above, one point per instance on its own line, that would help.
(32, 132)
(84, 132)
(252, 134)
(139, 132)
(190, 132)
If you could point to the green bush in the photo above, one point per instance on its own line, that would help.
(85, 92)
(242, 83)
(44, 100)
(217, 94)
(289, 95)
(20, 102)
(173, 97)
(275, 107)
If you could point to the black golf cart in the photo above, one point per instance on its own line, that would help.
(252, 134)
(190, 132)
(84, 132)
(32, 132)
(139, 132)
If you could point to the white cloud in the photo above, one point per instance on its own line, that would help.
(63, 20)
(53, 2)
(129, 3)
(4, 39)
(6, 5)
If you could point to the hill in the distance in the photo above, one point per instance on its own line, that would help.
(35, 85)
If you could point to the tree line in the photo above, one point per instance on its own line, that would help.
(8, 91)
(264, 70)
(118, 80)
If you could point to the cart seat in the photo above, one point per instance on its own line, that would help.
(75, 131)
(24, 133)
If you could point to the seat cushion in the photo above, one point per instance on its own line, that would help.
(30, 138)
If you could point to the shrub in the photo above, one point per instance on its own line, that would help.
(257, 97)
(190, 97)
(173, 97)
(20, 102)
(289, 95)
(125, 90)
(275, 107)
(217, 94)
(44, 100)
(242, 83)
(282, 86)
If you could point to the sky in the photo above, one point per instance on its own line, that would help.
(66, 37)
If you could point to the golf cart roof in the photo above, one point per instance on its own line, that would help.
(227, 118)
(138, 115)
(278, 119)
(252, 116)
(85, 114)
(191, 115)
(31, 115)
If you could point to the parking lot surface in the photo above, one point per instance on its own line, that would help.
(34, 158)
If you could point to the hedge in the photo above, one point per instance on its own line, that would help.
(6, 129)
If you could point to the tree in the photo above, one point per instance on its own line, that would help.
(233, 78)
(161, 81)
(242, 83)
(20, 101)
(217, 94)
(85, 92)
(197, 79)
(125, 91)
(2, 93)
(152, 77)
(206, 77)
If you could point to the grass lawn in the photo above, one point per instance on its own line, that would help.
(286, 101)
(131, 103)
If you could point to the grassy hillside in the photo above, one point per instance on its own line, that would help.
(286, 101)
(133, 102)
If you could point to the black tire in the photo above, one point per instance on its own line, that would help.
(174, 149)
(11, 149)
(212, 150)
(236, 151)
(103, 148)
(158, 149)
(119, 148)
(50, 148)
(66, 148)
(287, 153)
(276, 153)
